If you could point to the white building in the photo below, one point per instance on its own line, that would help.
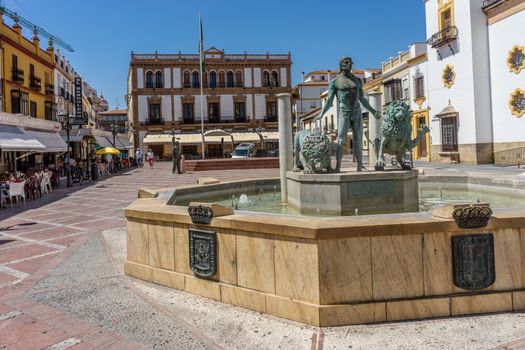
(471, 82)
(240, 99)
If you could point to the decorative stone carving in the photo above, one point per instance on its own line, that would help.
(473, 261)
(516, 59)
(472, 216)
(517, 102)
(200, 214)
(203, 252)
(449, 76)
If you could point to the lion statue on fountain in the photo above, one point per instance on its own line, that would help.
(312, 150)
(396, 131)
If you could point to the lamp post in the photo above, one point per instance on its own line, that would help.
(66, 125)
(114, 133)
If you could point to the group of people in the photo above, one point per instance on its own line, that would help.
(150, 158)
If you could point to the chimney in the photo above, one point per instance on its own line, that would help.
(302, 77)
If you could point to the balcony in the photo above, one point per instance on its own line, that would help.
(214, 119)
(443, 37)
(35, 82)
(50, 89)
(270, 118)
(188, 120)
(18, 75)
(241, 119)
(154, 121)
(62, 92)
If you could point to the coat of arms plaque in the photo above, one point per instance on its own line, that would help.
(203, 252)
(473, 261)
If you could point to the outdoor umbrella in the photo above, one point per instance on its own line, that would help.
(107, 150)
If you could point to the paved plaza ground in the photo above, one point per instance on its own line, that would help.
(62, 285)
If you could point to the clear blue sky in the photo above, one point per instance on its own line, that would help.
(318, 33)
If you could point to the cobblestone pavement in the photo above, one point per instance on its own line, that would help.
(62, 286)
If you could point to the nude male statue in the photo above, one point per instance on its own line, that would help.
(349, 91)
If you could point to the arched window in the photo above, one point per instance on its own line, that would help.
(149, 79)
(213, 80)
(186, 79)
(195, 79)
(221, 79)
(275, 79)
(229, 79)
(238, 79)
(158, 79)
(266, 79)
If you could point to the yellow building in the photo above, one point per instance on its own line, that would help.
(27, 74)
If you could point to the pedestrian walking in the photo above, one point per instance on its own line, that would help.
(138, 157)
(150, 158)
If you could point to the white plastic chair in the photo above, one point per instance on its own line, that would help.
(16, 190)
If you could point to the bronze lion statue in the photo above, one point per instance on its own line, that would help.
(396, 131)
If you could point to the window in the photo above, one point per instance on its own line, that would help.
(393, 90)
(449, 134)
(213, 112)
(187, 112)
(195, 80)
(446, 19)
(24, 105)
(240, 112)
(158, 79)
(15, 102)
(419, 86)
(221, 79)
(213, 80)
(405, 88)
(271, 110)
(229, 79)
(149, 80)
(275, 79)
(238, 79)
(266, 79)
(48, 110)
(32, 109)
(186, 79)
(154, 112)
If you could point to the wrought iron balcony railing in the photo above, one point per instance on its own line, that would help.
(154, 121)
(50, 89)
(35, 82)
(443, 37)
(18, 75)
(270, 118)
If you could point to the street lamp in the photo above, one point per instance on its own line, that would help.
(114, 133)
(66, 125)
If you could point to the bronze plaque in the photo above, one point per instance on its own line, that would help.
(473, 261)
(203, 252)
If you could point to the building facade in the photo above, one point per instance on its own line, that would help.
(27, 74)
(115, 119)
(240, 96)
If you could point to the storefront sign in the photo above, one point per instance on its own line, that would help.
(79, 117)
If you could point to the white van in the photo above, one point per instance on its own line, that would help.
(244, 150)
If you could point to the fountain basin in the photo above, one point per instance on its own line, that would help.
(329, 271)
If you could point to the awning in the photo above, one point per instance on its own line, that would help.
(252, 137)
(123, 143)
(270, 135)
(51, 140)
(13, 138)
(103, 141)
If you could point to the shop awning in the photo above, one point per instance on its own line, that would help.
(103, 141)
(51, 140)
(270, 135)
(13, 138)
(123, 143)
(252, 137)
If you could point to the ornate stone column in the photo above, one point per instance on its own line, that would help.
(284, 111)
(374, 127)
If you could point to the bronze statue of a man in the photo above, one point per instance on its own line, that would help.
(175, 153)
(349, 91)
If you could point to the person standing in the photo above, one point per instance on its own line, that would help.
(150, 158)
(176, 158)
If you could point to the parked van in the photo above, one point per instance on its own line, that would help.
(244, 150)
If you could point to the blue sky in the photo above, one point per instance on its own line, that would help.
(318, 33)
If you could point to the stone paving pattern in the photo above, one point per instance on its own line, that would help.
(62, 288)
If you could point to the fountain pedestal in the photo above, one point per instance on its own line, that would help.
(343, 193)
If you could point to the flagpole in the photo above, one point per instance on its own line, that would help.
(201, 60)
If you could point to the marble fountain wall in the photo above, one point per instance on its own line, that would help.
(329, 271)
